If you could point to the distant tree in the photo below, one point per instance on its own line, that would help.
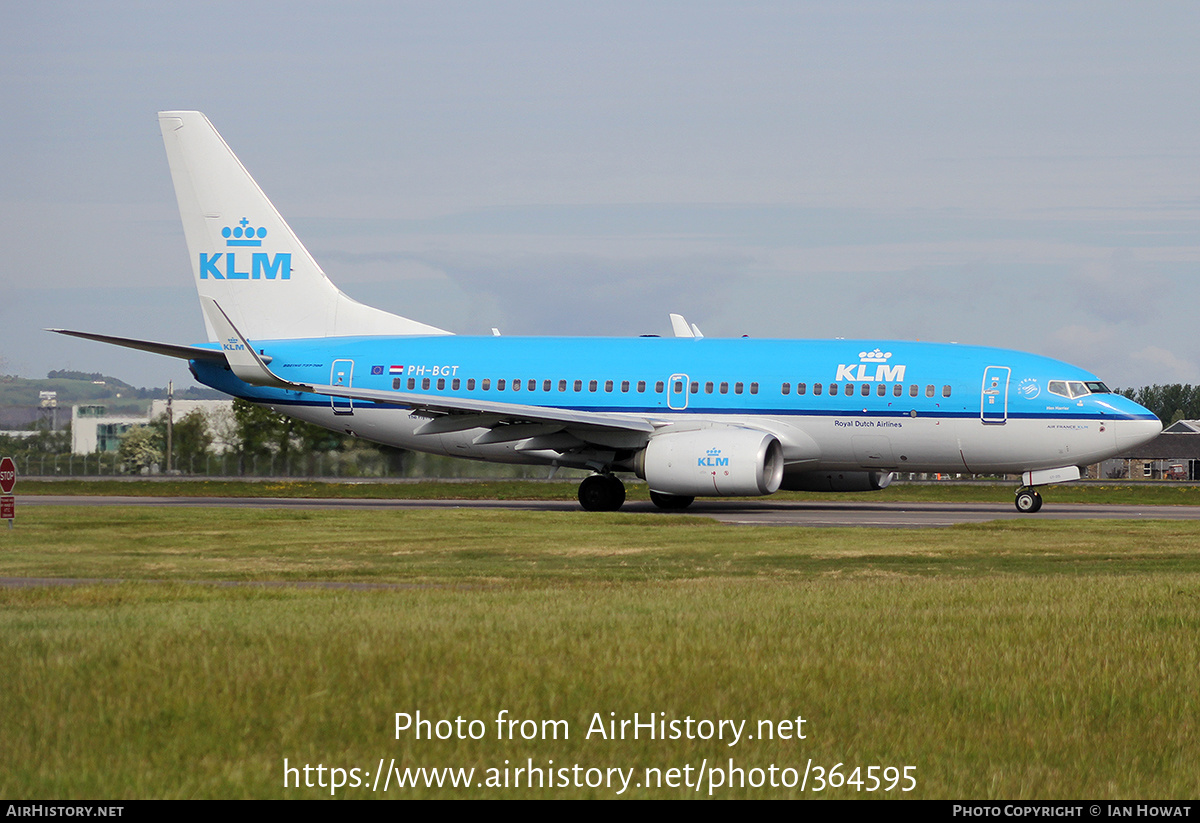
(191, 438)
(1170, 402)
(141, 448)
(67, 374)
(262, 432)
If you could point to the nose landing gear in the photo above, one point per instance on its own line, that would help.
(1028, 500)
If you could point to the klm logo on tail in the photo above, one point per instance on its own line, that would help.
(263, 266)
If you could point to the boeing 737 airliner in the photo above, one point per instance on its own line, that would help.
(693, 416)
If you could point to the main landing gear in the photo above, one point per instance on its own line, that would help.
(1028, 500)
(601, 493)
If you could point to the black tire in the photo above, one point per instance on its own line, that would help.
(601, 493)
(1028, 501)
(671, 502)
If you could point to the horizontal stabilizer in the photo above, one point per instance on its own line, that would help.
(169, 349)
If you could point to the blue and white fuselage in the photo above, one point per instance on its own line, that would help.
(693, 416)
(834, 405)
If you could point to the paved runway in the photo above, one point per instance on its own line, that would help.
(738, 512)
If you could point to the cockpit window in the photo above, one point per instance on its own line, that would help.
(1096, 387)
(1071, 389)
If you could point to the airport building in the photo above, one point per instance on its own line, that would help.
(94, 430)
(1173, 455)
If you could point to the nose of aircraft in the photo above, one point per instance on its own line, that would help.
(1132, 433)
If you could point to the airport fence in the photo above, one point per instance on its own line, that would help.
(366, 464)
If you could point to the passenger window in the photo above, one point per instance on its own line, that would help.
(679, 387)
(882, 390)
(708, 387)
(608, 385)
(897, 390)
(641, 387)
(471, 384)
(737, 388)
(800, 387)
(562, 385)
(516, 384)
(866, 389)
(455, 384)
(850, 389)
(533, 385)
(912, 390)
(754, 388)
(486, 384)
(624, 385)
(441, 384)
(724, 388)
(695, 386)
(816, 388)
(592, 385)
(929, 391)
(578, 385)
(395, 383)
(945, 391)
(659, 386)
(425, 383)
(786, 388)
(500, 384)
(412, 383)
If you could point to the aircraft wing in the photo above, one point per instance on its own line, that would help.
(503, 418)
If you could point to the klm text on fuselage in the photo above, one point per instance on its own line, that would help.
(858, 371)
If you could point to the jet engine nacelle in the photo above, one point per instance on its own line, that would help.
(722, 461)
(837, 481)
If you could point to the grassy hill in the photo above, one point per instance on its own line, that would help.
(20, 393)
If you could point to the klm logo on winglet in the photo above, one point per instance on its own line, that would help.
(263, 266)
(233, 344)
(712, 459)
(862, 371)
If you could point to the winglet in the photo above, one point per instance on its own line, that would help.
(680, 327)
(241, 356)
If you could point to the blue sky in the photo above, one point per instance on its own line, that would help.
(1017, 174)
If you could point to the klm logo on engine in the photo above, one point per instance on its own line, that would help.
(263, 266)
(712, 458)
(872, 367)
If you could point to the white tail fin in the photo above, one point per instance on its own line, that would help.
(246, 257)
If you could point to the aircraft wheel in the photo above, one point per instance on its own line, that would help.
(601, 493)
(1028, 500)
(671, 502)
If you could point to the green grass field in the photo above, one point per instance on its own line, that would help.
(1031, 659)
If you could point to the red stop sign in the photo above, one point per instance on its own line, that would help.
(8, 475)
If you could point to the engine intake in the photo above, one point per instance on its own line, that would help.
(723, 461)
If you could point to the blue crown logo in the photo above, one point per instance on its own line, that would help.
(713, 452)
(243, 234)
